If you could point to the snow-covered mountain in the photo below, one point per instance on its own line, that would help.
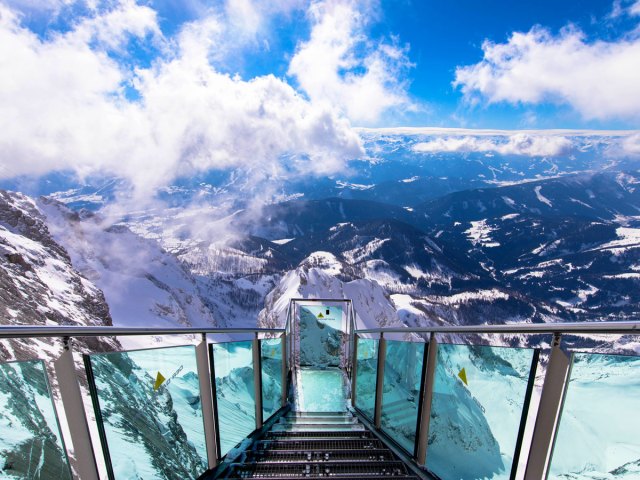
(39, 285)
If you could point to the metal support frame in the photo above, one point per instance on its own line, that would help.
(206, 400)
(257, 379)
(548, 412)
(84, 459)
(354, 370)
(284, 370)
(426, 398)
(382, 355)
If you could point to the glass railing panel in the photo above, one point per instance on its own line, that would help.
(599, 430)
(271, 360)
(147, 405)
(320, 390)
(235, 393)
(321, 328)
(401, 391)
(31, 445)
(478, 401)
(366, 373)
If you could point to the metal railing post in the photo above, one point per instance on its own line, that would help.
(206, 400)
(382, 355)
(548, 412)
(354, 369)
(257, 379)
(427, 397)
(284, 369)
(84, 459)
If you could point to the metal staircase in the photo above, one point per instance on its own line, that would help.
(317, 445)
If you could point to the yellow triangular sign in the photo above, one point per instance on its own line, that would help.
(159, 381)
(320, 315)
(463, 376)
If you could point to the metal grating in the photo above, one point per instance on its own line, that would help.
(320, 470)
(320, 444)
(366, 455)
(320, 434)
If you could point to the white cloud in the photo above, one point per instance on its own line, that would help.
(516, 144)
(601, 80)
(341, 66)
(64, 107)
(631, 145)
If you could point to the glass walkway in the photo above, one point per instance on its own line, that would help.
(322, 398)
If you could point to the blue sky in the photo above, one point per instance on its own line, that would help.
(174, 86)
(436, 38)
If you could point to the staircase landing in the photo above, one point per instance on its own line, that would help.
(318, 445)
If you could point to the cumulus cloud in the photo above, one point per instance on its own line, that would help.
(516, 144)
(631, 145)
(601, 80)
(341, 66)
(68, 105)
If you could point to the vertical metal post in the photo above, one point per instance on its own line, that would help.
(427, 397)
(548, 412)
(382, 355)
(354, 369)
(84, 459)
(257, 379)
(284, 369)
(206, 400)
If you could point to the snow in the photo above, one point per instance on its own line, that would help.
(541, 197)
(627, 237)
(480, 234)
(353, 186)
(282, 241)
(410, 180)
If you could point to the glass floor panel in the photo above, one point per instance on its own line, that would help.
(320, 390)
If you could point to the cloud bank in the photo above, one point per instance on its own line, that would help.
(516, 144)
(600, 80)
(68, 104)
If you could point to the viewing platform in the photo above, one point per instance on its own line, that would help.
(324, 398)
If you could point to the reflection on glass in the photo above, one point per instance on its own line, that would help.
(599, 431)
(320, 336)
(320, 390)
(235, 395)
(478, 397)
(148, 409)
(271, 359)
(30, 441)
(366, 375)
(401, 391)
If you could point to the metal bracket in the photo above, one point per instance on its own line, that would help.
(84, 459)
(548, 412)
(257, 379)
(206, 400)
(382, 356)
(427, 397)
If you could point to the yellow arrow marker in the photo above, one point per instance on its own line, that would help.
(159, 381)
(463, 376)
(320, 315)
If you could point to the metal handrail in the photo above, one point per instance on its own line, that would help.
(20, 331)
(527, 328)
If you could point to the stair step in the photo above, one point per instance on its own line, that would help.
(333, 477)
(321, 445)
(320, 470)
(293, 413)
(319, 419)
(313, 456)
(317, 427)
(350, 433)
